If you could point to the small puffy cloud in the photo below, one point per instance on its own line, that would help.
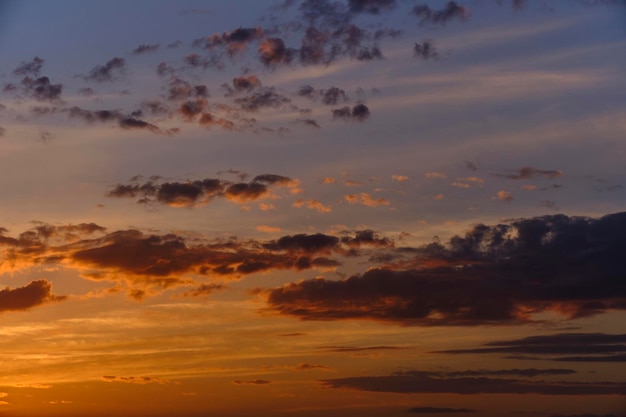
(328, 180)
(460, 185)
(425, 50)
(313, 205)
(366, 200)
(503, 196)
(359, 112)
(475, 180)
(371, 6)
(439, 197)
(145, 48)
(435, 175)
(110, 71)
(399, 178)
(529, 187)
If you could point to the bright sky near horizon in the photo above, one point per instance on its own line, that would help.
(312, 208)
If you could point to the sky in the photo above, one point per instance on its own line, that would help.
(313, 208)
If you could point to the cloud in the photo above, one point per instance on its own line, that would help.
(234, 41)
(313, 205)
(399, 178)
(525, 173)
(424, 382)
(309, 366)
(252, 382)
(42, 89)
(586, 347)
(366, 200)
(145, 48)
(501, 274)
(425, 50)
(452, 10)
(435, 175)
(198, 192)
(371, 6)
(268, 229)
(350, 349)
(503, 196)
(439, 410)
(32, 295)
(262, 98)
(110, 71)
(30, 68)
(359, 112)
(103, 116)
(273, 52)
(141, 380)
(180, 89)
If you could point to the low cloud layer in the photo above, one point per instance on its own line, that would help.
(502, 274)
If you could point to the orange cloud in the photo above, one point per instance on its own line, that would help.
(366, 200)
(313, 205)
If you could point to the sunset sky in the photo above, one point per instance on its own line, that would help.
(362, 208)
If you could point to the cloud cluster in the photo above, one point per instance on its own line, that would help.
(197, 192)
(359, 113)
(502, 274)
(452, 10)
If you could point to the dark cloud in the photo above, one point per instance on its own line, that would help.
(103, 116)
(32, 295)
(587, 347)
(246, 83)
(30, 68)
(204, 289)
(145, 48)
(350, 349)
(425, 50)
(333, 95)
(310, 123)
(452, 10)
(500, 274)
(234, 41)
(525, 173)
(262, 98)
(192, 193)
(252, 382)
(179, 89)
(110, 71)
(359, 112)
(317, 243)
(42, 89)
(371, 6)
(531, 372)
(439, 410)
(424, 382)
